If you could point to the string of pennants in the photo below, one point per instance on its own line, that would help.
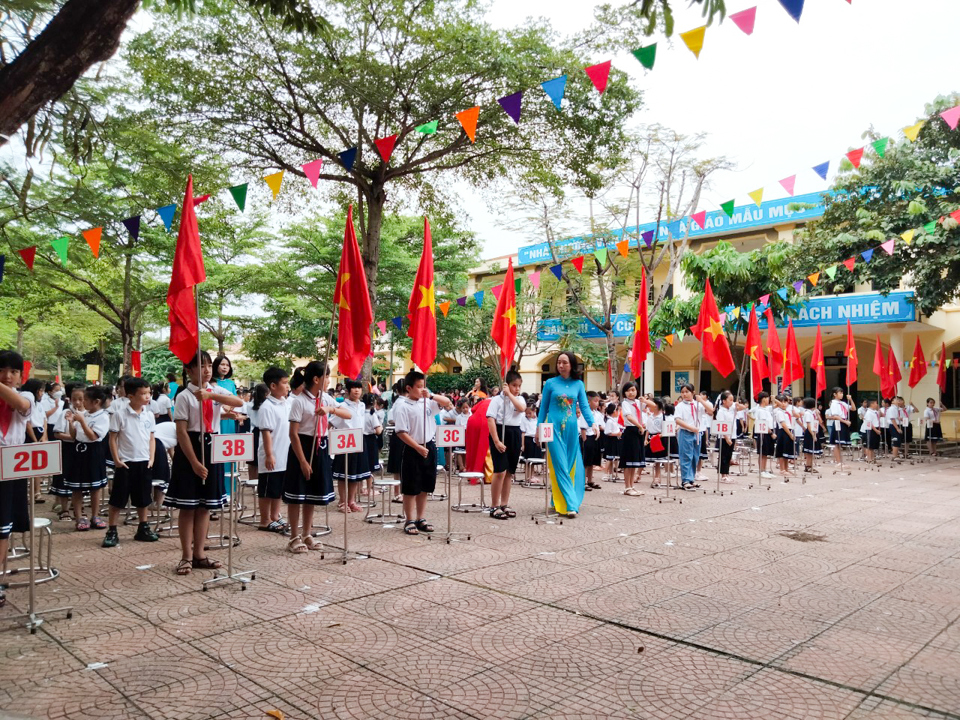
(511, 104)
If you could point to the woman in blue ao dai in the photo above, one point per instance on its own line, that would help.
(561, 397)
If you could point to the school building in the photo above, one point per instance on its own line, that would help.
(892, 317)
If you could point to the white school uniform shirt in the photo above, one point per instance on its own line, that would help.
(63, 427)
(382, 418)
(811, 418)
(893, 415)
(630, 408)
(17, 430)
(38, 418)
(161, 406)
(370, 423)
(781, 418)
(689, 412)
(274, 417)
(512, 416)
(251, 412)
(356, 409)
(611, 428)
(884, 417)
(134, 433)
(99, 424)
(798, 423)
(49, 403)
(838, 409)
(528, 426)
(728, 415)
(904, 416)
(703, 418)
(303, 410)
(861, 412)
(408, 417)
(871, 419)
(931, 415)
(187, 407)
(116, 404)
(462, 418)
(655, 424)
(166, 433)
(591, 430)
(763, 413)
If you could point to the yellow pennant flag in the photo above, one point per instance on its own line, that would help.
(913, 130)
(274, 182)
(757, 196)
(907, 236)
(694, 39)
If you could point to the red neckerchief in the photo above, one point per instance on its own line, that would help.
(206, 413)
(321, 419)
(6, 417)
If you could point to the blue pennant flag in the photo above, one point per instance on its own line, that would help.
(793, 7)
(348, 158)
(867, 255)
(478, 296)
(166, 214)
(821, 169)
(782, 292)
(398, 321)
(3, 262)
(555, 89)
(557, 270)
(132, 224)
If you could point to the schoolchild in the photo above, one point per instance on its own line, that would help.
(785, 449)
(89, 429)
(273, 422)
(252, 402)
(705, 411)
(906, 426)
(395, 446)
(885, 424)
(798, 425)
(531, 448)
(308, 482)
(838, 418)
(372, 432)
(811, 440)
(726, 413)
(15, 411)
(161, 405)
(612, 429)
(894, 432)
(633, 439)
(37, 428)
(688, 414)
(872, 430)
(762, 412)
(357, 471)
(61, 432)
(416, 431)
(933, 432)
(52, 406)
(133, 447)
(504, 415)
(196, 484)
(657, 446)
(590, 439)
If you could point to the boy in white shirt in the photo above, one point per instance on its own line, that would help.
(273, 419)
(892, 414)
(132, 446)
(413, 418)
(505, 412)
(871, 430)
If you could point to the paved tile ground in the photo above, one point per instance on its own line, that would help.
(713, 608)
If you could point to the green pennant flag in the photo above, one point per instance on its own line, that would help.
(60, 246)
(880, 146)
(930, 227)
(516, 285)
(428, 128)
(601, 255)
(727, 207)
(239, 193)
(680, 334)
(831, 272)
(646, 55)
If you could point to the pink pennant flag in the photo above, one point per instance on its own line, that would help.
(789, 183)
(723, 318)
(765, 299)
(382, 327)
(496, 289)
(888, 246)
(745, 20)
(312, 171)
(951, 117)
(700, 219)
(535, 279)
(599, 74)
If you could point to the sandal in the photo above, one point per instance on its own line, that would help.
(98, 524)
(83, 524)
(297, 546)
(354, 507)
(312, 544)
(184, 567)
(498, 513)
(410, 528)
(207, 564)
(594, 486)
(424, 526)
(511, 513)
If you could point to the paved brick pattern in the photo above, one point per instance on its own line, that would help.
(712, 608)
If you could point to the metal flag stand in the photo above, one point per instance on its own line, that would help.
(669, 430)
(549, 514)
(230, 450)
(721, 429)
(451, 437)
(346, 442)
(23, 462)
(762, 431)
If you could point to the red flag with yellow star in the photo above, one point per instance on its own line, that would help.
(893, 370)
(773, 347)
(852, 360)
(754, 349)
(713, 342)
(816, 363)
(942, 369)
(918, 365)
(504, 330)
(641, 330)
(353, 301)
(423, 308)
(792, 366)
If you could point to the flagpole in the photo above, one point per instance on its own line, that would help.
(203, 453)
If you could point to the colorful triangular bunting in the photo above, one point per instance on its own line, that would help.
(831, 272)
(855, 157)
(814, 278)
(867, 255)
(822, 169)
(468, 121)
(727, 207)
(700, 218)
(385, 146)
(880, 146)
(60, 246)
(462, 301)
(951, 117)
(347, 158)
(535, 279)
(782, 292)
(92, 236)
(511, 105)
(693, 39)
(930, 227)
(912, 131)
(789, 183)
(578, 263)
(798, 286)
(445, 307)
(166, 214)
(312, 171)
(557, 270)
(757, 196)
(646, 55)
(908, 236)
(132, 224)
(274, 181)
(29, 255)
(398, 322)
(239, 193)
(888, 246)
(601, 255)
(745, 20)
(478, 298)
(647, 238)
(599, 74)
(429, 128)
(793, 7)
(849, 263)
(623, 247)
(555, 89)
(382, 327)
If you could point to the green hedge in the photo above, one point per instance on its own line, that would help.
(450, 382)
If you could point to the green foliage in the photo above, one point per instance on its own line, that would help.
(462, 382)
(157, 362)
(913, 184)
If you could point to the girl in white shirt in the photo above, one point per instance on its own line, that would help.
(611, 438)
(786, 440)
(871, 430)
(162, 405)
(632, 439)
(726, 414)
(933, 433)
(372, 429)
(765, 444)
(590, 440)
(357, 470)
(811, 442)
(88, 429)
(838, 418)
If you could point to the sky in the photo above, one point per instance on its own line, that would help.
(777, 102)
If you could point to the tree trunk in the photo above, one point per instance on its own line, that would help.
(370, 250)
(21, 324)
(81, 34)
(126, 338)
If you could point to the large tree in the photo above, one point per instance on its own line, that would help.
(270, 99)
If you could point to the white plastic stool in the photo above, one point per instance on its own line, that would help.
(386, 487)
(460, 506)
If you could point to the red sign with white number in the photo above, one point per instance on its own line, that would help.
(546, 432)
(33, 460)
(346, 442)
(450, 436)
(232, 448)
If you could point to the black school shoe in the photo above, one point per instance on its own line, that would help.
(145, 534)
(111, 539)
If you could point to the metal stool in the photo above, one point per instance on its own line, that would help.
(45, 572)
(248, 486)
(387, 488)
(434, 496)
(460, 506)
(528, 470)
